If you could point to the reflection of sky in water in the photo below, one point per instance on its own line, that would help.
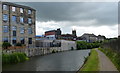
(65, 61)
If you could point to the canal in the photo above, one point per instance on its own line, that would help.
(62, 61)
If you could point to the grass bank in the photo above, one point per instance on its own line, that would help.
(13, 58)
(113, 56)
(92, 63)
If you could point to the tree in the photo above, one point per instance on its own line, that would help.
(18, 44)
(5, 45)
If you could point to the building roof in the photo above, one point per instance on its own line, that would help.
(90, 35)
(17, 5)
(101, 36)
(67, 35)
(50, 31)
(39, 35)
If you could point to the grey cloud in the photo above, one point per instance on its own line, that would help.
(104, 12)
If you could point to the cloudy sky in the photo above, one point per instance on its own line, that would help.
(84, 17)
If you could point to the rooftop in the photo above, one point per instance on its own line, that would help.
(17, 5)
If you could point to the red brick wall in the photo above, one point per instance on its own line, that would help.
(49, 33)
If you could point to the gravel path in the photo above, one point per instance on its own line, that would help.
(105, 62)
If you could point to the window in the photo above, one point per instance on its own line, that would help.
(22, 30)
(30, 40)
(29, 30)
(29, 12)
(5, 7)
(5, 39)
(5, 17)
(5, 29)
(14, 18)
(14, 40)
(29, 21)
(14, 28)
(21, 10)
(13, 9)
(14, 33)
(21, 20)
(22, 40)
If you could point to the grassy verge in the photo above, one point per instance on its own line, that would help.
(113, 56)
(13, 58)
(92, 64)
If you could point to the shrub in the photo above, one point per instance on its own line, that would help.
(5, 45)
(18, 44)
(53, 51)
(86, 45)
(13, 58)
(72, 48)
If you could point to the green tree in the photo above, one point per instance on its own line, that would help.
(5, 45)
(18, 44)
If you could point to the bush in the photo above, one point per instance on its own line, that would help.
(53, 51)
(72, 48)
(5, 45)
(86, 45)
(18, 44)
(13, 58)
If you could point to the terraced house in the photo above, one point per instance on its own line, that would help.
(17, 24)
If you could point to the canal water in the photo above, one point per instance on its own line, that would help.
(63, 61)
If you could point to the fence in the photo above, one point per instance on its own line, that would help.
(113, 44)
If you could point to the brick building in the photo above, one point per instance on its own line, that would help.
(17, 24)
(53, 34)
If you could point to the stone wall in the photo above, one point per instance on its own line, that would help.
(33, 51)
(65, 45)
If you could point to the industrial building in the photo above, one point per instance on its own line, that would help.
(17, 24)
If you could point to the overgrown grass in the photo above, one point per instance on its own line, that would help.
(13, 58)
(114, 56)
(92, 64)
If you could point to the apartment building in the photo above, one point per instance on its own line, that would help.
(17, 24)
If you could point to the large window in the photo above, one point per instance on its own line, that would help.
(14, 28)
(14, 18)
(5, 7)
(21, 10)
(29, 12)
(13, 9)
(29, 21)
(14, 40)
(5, 29)
(5, 39)
(22, 30)
(21, 20)
(30, 40)
(22, 40)
(29, 30)
(5, 17)
(14, 33)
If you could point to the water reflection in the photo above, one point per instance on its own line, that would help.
(64, 61)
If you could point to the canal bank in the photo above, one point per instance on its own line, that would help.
(91, 63)
(63, 61)
(98, 62)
